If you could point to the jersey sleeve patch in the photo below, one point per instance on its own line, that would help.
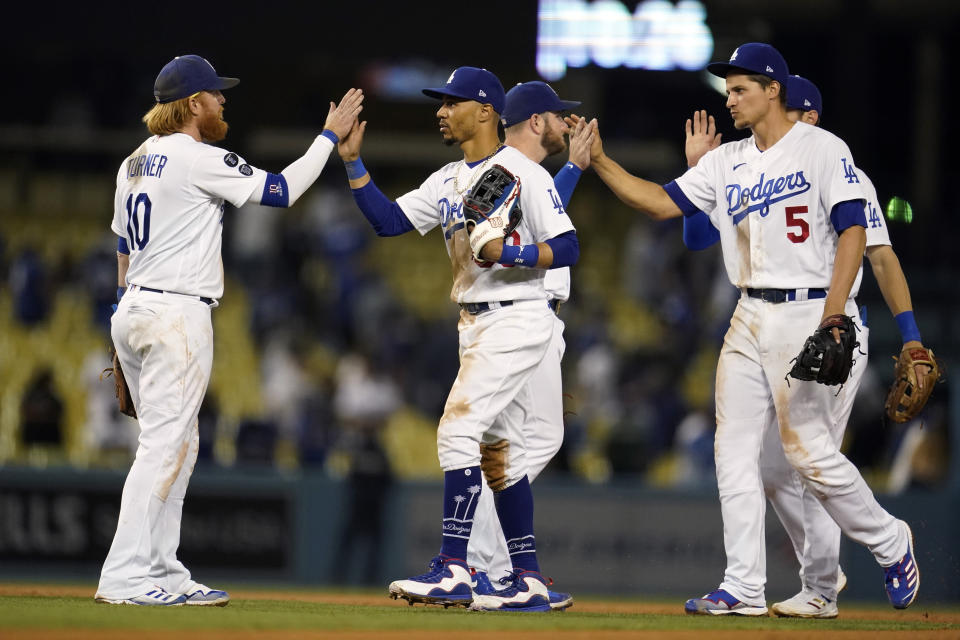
(680, 198)
(275, 192)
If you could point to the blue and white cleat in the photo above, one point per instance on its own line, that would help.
(525, 591)
(447, 582)
(156, 597)
(902, 579)
(721, 603)
(483, 587)
(203, 596)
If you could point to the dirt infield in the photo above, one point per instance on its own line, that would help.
(878, 622)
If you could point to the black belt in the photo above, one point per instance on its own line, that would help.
(784, 295)
(473, 308)
(201, 298)
(554, 305)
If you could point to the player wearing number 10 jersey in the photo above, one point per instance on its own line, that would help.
(168, 214)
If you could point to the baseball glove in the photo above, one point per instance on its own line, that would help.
(909, 394)
(124, 399)
(492, 208)
(822, 358)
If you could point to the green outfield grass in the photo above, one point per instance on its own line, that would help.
(81, 613)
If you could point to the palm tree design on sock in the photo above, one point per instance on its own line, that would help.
(474, 490)
(458, 500)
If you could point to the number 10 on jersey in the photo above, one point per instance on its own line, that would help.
(136, 222)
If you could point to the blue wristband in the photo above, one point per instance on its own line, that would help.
(120, 292)
(330, 135)
(524, 255)
(355, 169)
(908, 326)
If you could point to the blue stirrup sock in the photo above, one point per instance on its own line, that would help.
(515, 508)
(461, 492)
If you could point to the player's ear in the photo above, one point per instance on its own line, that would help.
(811, 117)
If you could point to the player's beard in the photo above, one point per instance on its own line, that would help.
(212, 127)
(552, 140)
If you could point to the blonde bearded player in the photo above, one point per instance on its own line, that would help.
(814, 535)
(168, 213)
(789, 210)
(533, 124)
(506, 325)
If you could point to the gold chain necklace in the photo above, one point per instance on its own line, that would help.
(456, 176)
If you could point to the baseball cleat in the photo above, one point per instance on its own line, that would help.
(483, 587)
(526, 591)
(806, 604)
(202, 595)
(721, 603)
(841, 580)
(447, 582)
(902, 579)
(156, 597)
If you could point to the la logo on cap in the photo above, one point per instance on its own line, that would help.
(735, 52)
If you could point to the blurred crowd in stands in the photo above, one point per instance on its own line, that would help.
(335, 350)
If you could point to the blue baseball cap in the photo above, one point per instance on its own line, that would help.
(186, 75)
(755, 57)
(472, 83)
(528, 98)
(804, 95)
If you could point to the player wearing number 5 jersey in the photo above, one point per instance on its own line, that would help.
(506, 327)
(815, 536)
(789, 210)
(168, 213)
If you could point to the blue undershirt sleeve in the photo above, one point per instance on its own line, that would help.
(680, 199)
(566, 181)
(275, 191)
(566, 249)
(847, 214)
(122, 246)
(698, 232)
(385, 216)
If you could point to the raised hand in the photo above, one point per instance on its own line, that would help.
(702, 136)
(581, 140)
(341, 117)
(349, 147)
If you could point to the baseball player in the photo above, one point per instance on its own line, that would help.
(168, 213)
(506, 328)
(814, 535)
(533, 125)
(789, 209)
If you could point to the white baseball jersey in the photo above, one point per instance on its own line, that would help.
(772, 208)
(169, 207)
(877, 233)
(557, 284)
(438, 202)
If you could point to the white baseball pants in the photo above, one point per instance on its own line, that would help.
(753, 393)
(499, 352)
(541, 420)
(165, 345)
(813, 533)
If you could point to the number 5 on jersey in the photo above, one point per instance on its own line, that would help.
(134, 224)
(794, 221)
